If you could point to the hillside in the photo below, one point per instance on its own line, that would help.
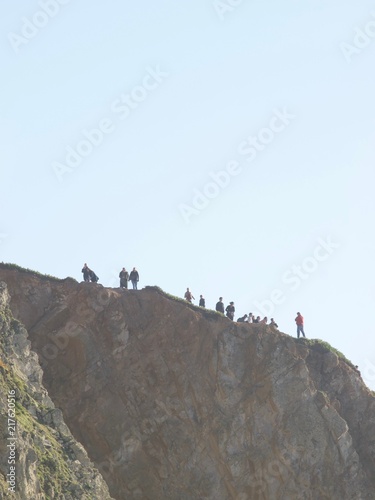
(175, 402)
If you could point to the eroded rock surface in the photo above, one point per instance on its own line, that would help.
(39, 457)
(174, 402)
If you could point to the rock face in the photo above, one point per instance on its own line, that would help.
(39, 458)
(175, 402)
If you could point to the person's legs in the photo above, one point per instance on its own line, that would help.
(300, 330)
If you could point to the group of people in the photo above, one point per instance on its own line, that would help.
(125, 277)
(89, 275)
(252, 319)
(230, 310)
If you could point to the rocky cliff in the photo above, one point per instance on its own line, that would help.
(175, 402)
(39, 458)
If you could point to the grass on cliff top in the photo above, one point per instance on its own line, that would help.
(15, 267)
(323, 346)
(210, 313)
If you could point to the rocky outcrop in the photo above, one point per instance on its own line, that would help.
(172, 401)
(39, 458)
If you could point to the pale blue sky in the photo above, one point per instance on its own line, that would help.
(218, 81)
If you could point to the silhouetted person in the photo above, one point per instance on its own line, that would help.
(202, 301)
(86, 272)
(188, 295)
(220, 305)
(264, 320)
(272, 323)
(230, 310)
(256, 320)
(93, 277)
(243, 319)
(134, 278)
(124, 278)
(299, 322)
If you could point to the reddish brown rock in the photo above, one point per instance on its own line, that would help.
(175, 402)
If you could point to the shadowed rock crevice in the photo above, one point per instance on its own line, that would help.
(173, 401)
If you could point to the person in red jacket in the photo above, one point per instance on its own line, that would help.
(299, 322)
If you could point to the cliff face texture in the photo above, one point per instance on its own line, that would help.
(39, 458)
(175, 402)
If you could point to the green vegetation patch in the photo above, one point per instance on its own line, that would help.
(208, 313)
(323, 346)
(5, 317)
(15, 267)
(52, 466)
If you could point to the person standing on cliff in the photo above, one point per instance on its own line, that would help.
(202, 301)
(134, 278)
(86, 272)
(93, 277)
(230, 310)
(188, 295)
(299, 322)
(220, 305)
(272, 323)
(124, 278)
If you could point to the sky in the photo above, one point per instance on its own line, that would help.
(225, 146)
